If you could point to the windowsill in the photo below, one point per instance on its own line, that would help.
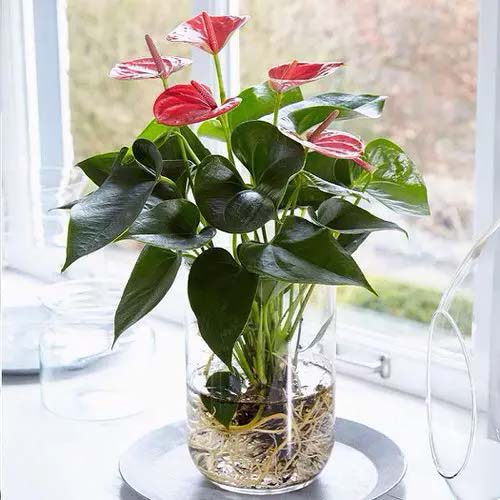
(37, 443)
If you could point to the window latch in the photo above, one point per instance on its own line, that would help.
(382, 366)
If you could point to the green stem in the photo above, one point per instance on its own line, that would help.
(240, 356)
(235, 246)
(277, 104)
(264, 234)
(189, 149)
(186, 162)
(260, 351)
(227, 134)
(223, 118)
(168, 181)
(363, 189)
(220, 80)
(301, 310)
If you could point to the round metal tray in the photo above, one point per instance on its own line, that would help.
(365, 465)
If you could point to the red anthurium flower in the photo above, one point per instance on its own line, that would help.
(332, 143)
(295, 74)
(148, 67)
(337, 144)
(188, 103)
(209, 33)
(145, 67)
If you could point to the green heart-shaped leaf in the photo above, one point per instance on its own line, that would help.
(224, 389)
(153, 130)
(395, 181)
(221, 294)
(335, 170)
(270, 157)
(256, 102)
(344, 217)
(225, 201)
(171, 224)
(303, 115)
(314, 190)
(97, 168)
(105, 214)
(259, 101)
(302, 252)
(147, 156)
(212, 129)
(351, 242)
(151, 278)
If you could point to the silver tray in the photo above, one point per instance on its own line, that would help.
(365, 465)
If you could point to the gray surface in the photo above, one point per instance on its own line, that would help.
(365, 465)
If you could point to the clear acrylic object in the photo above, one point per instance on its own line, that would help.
(81, 376)
(463, 375)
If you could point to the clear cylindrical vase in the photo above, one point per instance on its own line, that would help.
(266, 425)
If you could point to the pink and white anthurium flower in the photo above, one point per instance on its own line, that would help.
(295, 74)
(332, 143)
(189, 103)
(155, 66)
(209, 33)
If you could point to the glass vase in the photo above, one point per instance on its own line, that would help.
(463, 403)
(267, 426)
(82, 375)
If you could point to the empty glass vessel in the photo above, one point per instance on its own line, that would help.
(463, 401)
(81, 375)
(267, 427)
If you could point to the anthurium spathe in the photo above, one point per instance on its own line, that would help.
(155, 66)
(145, 67)
(332, 143)
(189, 103)
(295, 74)
(209, 33)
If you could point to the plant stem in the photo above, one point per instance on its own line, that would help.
(240, 356)
(188, 148)
(264, 234)
(186, 162)
(260, 351)
(235, 246)
(168, 181)
(277, 103)
(303, 305)
(227, 134)
(223, 118)
(220, 80)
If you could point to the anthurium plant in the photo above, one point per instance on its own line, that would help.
(289, 192)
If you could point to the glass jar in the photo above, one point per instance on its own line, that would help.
(463, 375)
(267, 427)
(81, 375)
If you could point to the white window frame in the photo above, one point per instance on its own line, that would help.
(24, 127)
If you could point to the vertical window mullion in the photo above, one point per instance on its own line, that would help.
(486, 342)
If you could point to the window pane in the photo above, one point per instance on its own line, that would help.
(423, 56)
(107, 114)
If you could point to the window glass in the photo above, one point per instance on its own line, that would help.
(107, 114)
(423, 56)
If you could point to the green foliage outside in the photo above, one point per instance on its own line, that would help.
(408, 301)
